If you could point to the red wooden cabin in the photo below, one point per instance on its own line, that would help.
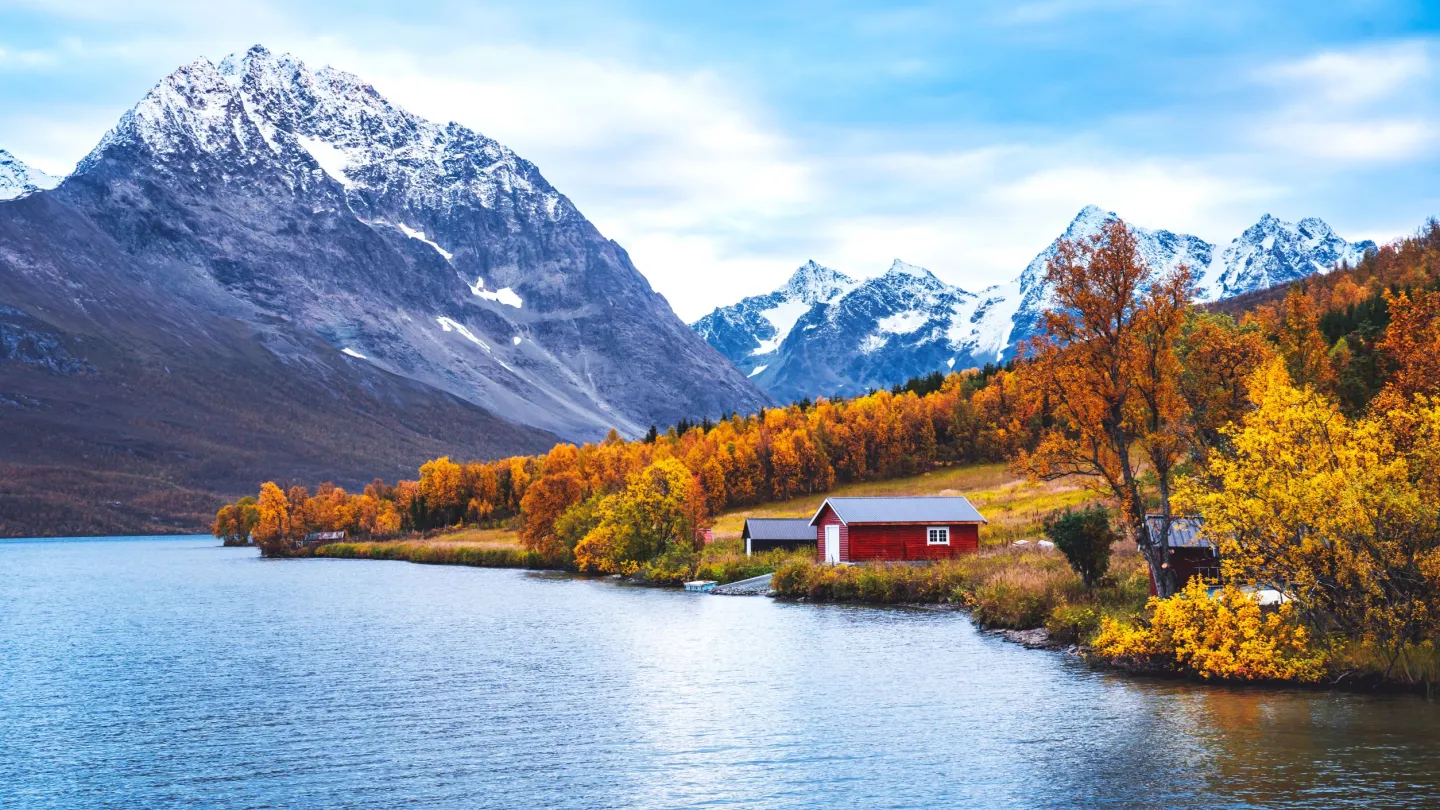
(863, 529)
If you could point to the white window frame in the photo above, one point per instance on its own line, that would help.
(930, 535)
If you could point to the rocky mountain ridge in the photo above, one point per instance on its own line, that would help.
(394, 287)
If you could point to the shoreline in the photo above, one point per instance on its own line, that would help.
(1037, 638)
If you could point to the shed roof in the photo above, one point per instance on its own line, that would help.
(779, 529)
(1185, 532)
(954, 509)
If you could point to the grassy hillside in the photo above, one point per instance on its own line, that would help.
(1015, 507)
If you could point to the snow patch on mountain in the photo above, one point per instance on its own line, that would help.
(332, 160)
(451, 325)
(420, 235)
(504, 295)
(904, 323)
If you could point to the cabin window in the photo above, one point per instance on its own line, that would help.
(937, 536)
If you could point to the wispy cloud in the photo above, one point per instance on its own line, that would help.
(721, 158)
(1368, 105)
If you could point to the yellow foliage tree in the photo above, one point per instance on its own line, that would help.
(1343, 515)
(272, 530)
(661, 507)
(440, 487)
(1224, 636)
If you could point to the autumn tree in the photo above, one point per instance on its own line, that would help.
(440, 488)
(549, 497)
(1343, 515)
(1411, 348)
(661, 507)
(1306, 352)
(272, 529)
(1108, 369)
(234, 522)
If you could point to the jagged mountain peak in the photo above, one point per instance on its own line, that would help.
(903, 268)
(302, 205)
(257, 110)
(813, 282)
(1088, 221)
(17, 178)
(1273, 251)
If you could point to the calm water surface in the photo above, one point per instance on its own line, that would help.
(170, 673)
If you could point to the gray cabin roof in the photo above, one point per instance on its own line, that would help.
(1185, 532)
(956, 509)
(779, 529)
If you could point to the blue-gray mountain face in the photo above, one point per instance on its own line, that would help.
(825, 334)
(262, 230)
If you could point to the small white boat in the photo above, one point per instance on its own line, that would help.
(701, 585)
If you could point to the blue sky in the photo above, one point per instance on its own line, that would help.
(723, 144)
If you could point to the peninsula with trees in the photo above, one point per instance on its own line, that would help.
(1300, 425)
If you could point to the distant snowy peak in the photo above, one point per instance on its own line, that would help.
(907, 322)
(1274, 252)
(257, 110)
(18, 179)
(815, 283)
(1163, 250)
(902, 268)
(750, 331)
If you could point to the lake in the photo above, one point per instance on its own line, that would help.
(171, 672)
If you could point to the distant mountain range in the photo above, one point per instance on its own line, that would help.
(266, 270)
(825, 333)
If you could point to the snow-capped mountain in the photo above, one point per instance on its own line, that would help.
(907, 322)
(1273, 252)
(750, 332)
(18, 179)
(290, 224)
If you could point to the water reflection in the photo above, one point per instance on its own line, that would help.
(165, 672)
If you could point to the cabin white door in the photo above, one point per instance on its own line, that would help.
(832, 543)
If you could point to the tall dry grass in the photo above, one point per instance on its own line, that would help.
(442, 553)
(1018, 587)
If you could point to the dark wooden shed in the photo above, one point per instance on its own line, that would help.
(1191, 553)
(766, 534)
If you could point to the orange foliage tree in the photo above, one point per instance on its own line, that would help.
(1126, 396)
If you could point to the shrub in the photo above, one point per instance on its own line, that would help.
(674, 567)
(725, 561)
(1073, 624)
(1226, 637)
(1085, 538)
(1022, 596)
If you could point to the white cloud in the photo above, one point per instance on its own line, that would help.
(716, 195)
(1369, 105)
(1355, 77)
